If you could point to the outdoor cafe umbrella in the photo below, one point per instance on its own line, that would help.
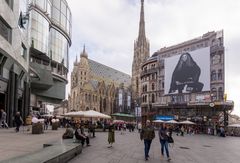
(95, 114)
(187, 123)
(74, 114)
(158, 121)
(234, 125)
(172, 122)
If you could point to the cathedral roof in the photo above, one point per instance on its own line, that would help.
(109, 73)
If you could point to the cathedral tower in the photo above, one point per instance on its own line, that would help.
(141, 53)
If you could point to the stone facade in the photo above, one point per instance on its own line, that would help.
(14, 58)
(95, 86)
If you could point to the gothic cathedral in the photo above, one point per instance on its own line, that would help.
(141, 53)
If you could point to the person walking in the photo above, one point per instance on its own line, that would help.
(163, 137)
(111, 135)
(147, 134)
(18, 120)
(3, 119)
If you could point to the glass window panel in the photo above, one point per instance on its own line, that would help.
(56, 14)
(39, 32)
(48, 5)
(41, 4)
(63, 8)
(63, 21)
(5, 30)
(59, 47)
(56, 3)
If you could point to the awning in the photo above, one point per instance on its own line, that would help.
(123, 115)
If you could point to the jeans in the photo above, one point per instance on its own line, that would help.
(147, 145)
(164, 144)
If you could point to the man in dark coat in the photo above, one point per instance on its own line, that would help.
(147, 134)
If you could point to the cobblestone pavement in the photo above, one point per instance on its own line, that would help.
(14, 144)
(188, 149)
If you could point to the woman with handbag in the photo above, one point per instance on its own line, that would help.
(164, 137)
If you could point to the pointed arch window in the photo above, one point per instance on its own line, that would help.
(220, 93)
(213, 75)
(220, 74)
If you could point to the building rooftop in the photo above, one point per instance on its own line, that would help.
(109, 73)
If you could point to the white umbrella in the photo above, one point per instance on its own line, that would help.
(158, 121)
(95, 114)
(187, 123)
(234, 125)
(172, 122)
(74, 114)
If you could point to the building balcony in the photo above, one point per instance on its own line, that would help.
(149, 71)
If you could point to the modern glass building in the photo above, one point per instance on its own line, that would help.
(50, 39)
(14, 58)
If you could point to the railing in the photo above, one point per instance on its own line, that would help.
(149, 71)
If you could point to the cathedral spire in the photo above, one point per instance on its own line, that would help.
(76, 61)
(84, 53)
(141, 33)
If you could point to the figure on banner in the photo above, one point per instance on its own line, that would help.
(186, 75)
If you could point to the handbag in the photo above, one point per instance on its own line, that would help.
(170, 139)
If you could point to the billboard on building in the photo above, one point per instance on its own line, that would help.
(188, 72)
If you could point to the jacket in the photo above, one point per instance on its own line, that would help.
(147, 133)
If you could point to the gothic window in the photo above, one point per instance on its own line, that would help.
(86, 97)
(153, 98)
(89, 98)
(213, 75)
(216, 59)
(163, 85)
(100, 104)
(220, 74)
(214, 94)
(136, 84)
(220, 93)
(104, 104)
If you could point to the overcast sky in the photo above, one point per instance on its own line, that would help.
(108, 29)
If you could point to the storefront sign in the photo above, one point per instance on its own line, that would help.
(164, 117)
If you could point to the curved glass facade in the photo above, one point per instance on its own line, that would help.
(39, 32)
(61, 15)
(44, 5)
(58, 47)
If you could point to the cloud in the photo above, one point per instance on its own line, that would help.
(108, 28)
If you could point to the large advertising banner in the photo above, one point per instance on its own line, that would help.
(188, 72)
